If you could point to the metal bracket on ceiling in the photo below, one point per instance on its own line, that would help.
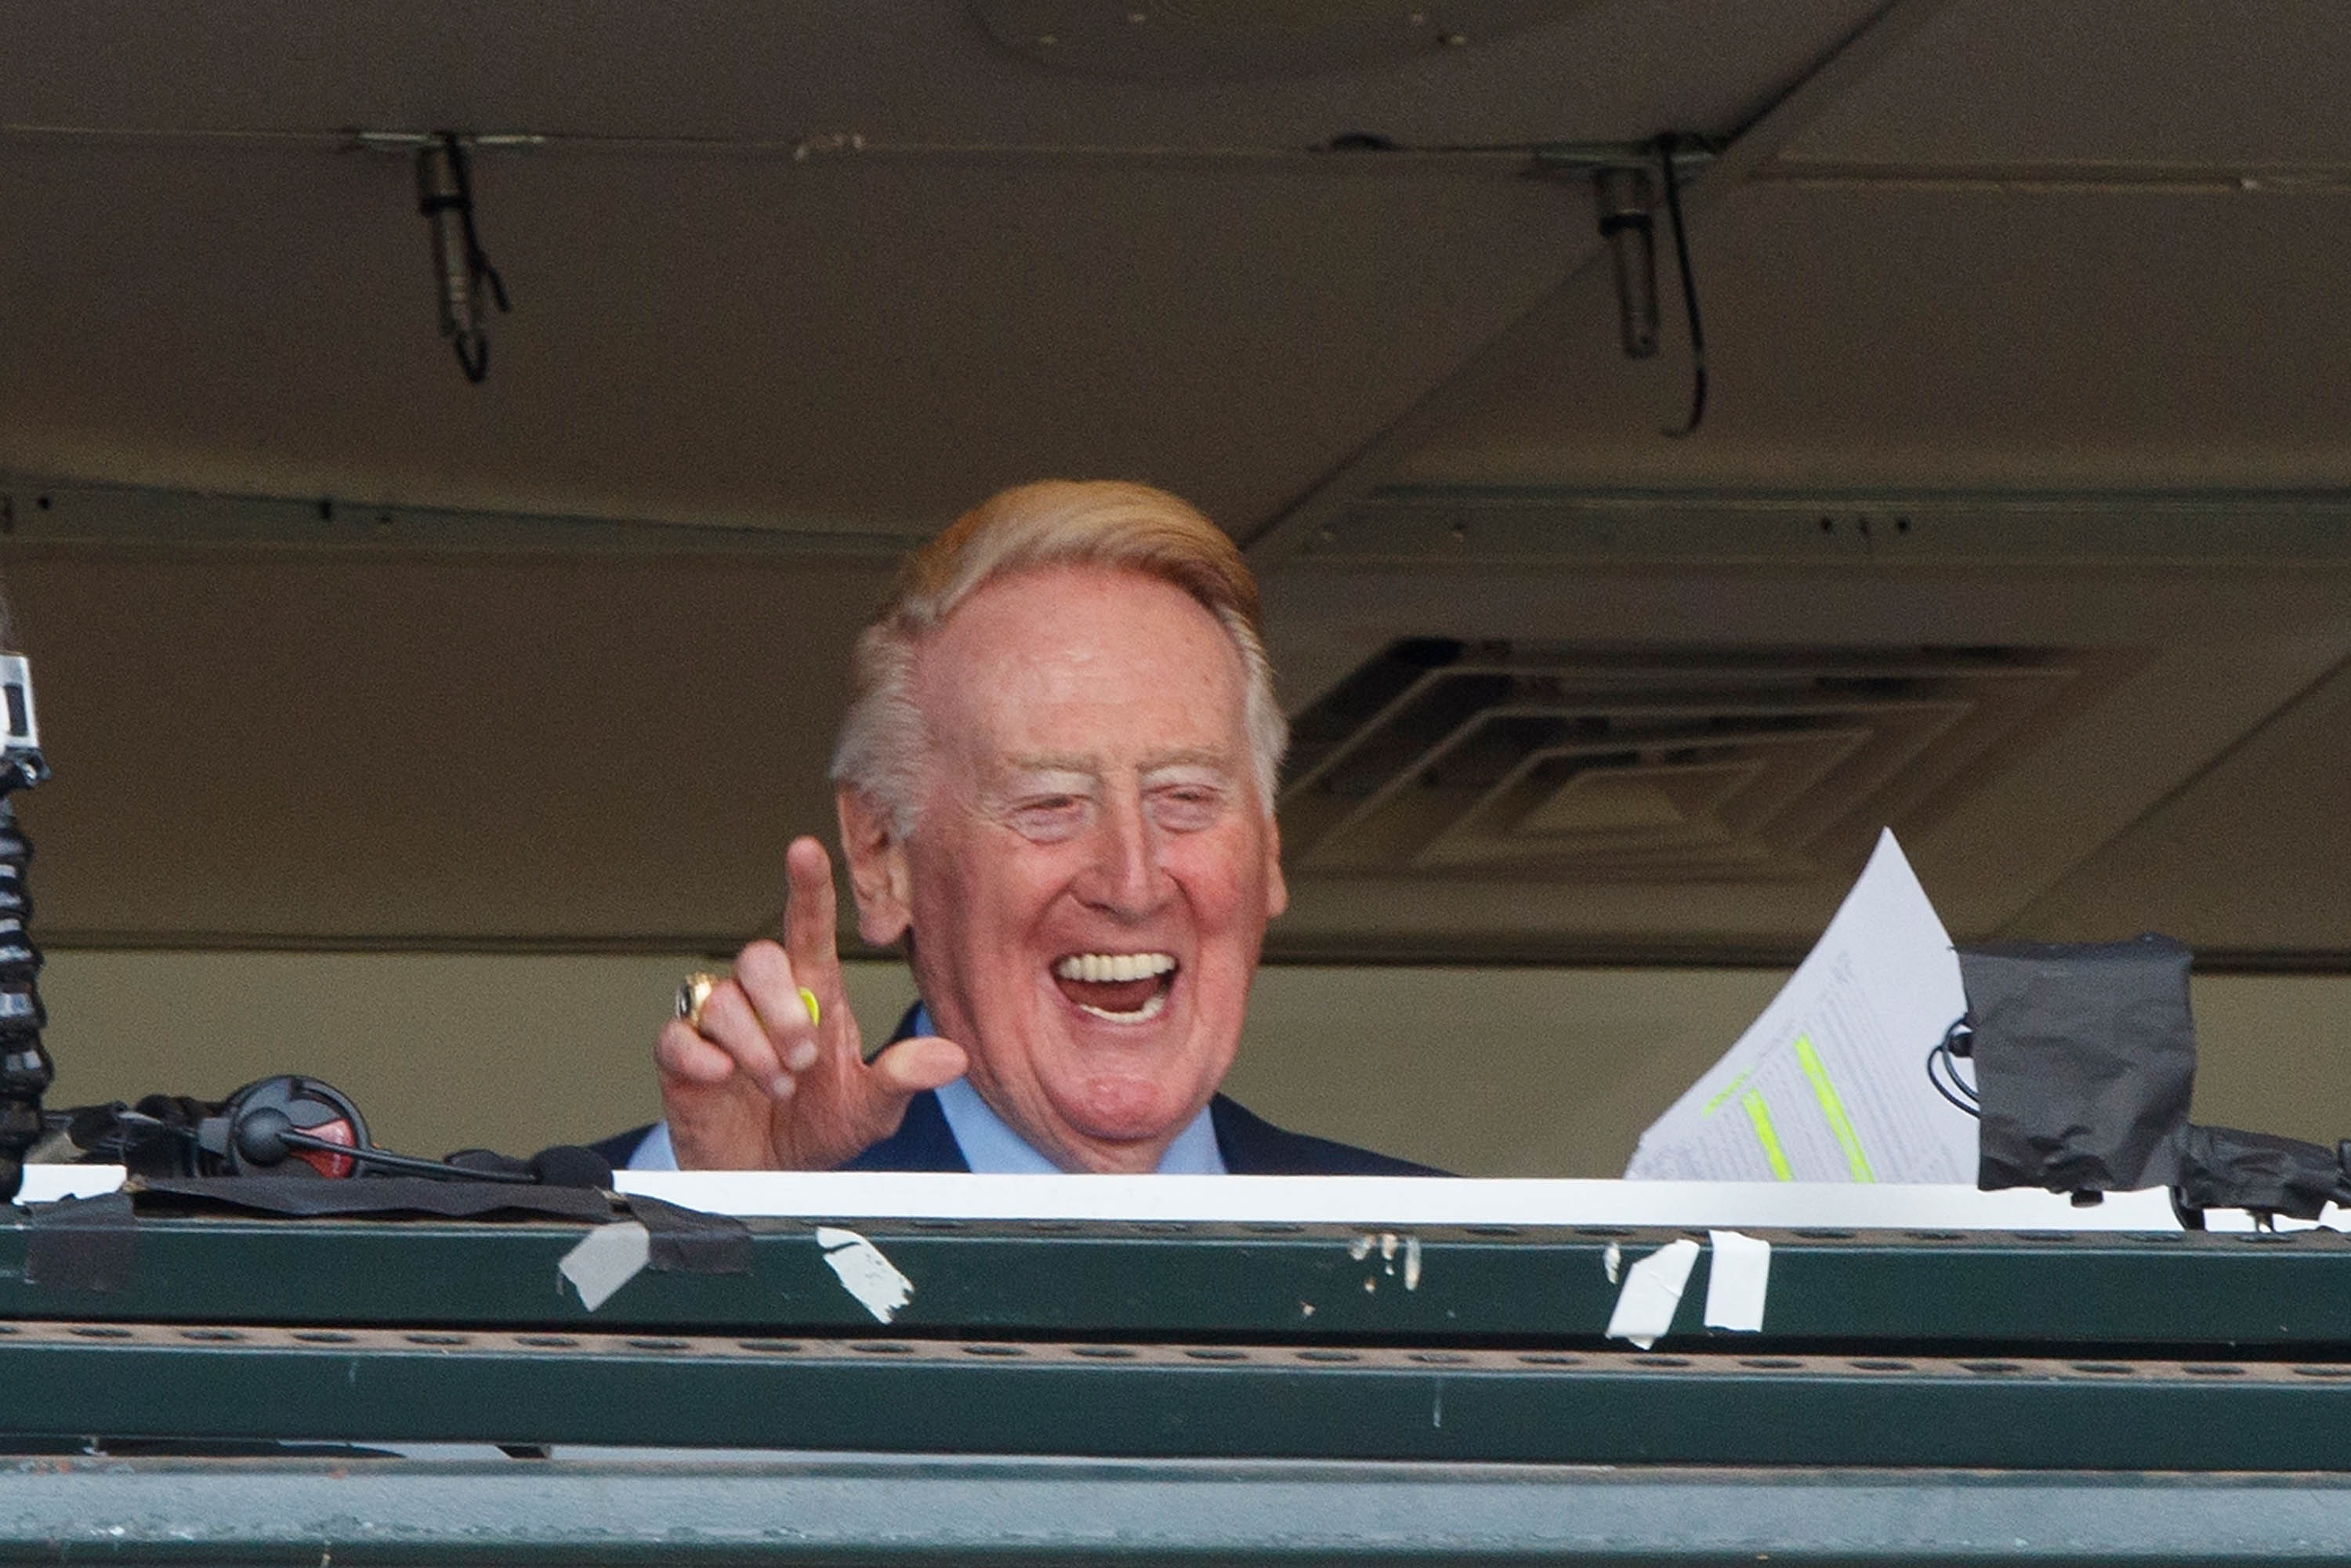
(444, 196)
(462, 272)
(1625, 197)
(1693, 155)
(407, 144)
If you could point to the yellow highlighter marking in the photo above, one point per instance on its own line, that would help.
(1727, 1091)
(1833, 1108)
(1759, 1115)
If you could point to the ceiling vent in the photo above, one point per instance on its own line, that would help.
(1525, 759)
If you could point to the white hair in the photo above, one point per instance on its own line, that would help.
(883, 748)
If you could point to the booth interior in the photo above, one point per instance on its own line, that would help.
(418, 733)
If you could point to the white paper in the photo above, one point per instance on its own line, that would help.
(1738, 1277)
(1830, 1083)
(1652, 1290)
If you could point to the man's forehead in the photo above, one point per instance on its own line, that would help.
(1070, 636)
(1165, 759)
(1042, 603)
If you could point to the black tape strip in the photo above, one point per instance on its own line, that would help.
(81, 1243)
(309, 1196)
(688, 1241)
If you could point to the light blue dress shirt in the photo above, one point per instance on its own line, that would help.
(989, 1145)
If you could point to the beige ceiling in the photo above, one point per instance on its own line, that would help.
(743, 71)
(336, 649)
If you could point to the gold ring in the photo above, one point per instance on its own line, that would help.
(692, 993)
(694, 990)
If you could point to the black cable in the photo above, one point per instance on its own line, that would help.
(1666, 143)
(477, 364)
(403, 1162)
(1961, 1030)
(1945, 1090)
(1958, 1092)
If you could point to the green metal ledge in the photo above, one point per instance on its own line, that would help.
(1955, 1292)
(218, 1382)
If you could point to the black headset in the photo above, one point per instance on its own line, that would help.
(290, 1125)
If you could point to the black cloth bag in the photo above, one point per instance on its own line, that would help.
(2222, 1167)
(2086, 1058)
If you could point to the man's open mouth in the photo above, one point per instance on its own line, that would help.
(1123, 987)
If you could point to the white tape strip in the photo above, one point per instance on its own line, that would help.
(1653, 1289)
(606, 1257)
(865, 1274)
(1739, 1272)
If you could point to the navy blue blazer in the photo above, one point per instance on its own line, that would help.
(1251, 1144)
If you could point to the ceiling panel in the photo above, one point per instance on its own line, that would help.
(924, 70)
(2250, 858)
(697, 337)
(1860, 334)
(2183, 83)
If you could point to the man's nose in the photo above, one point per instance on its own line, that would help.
(1127, 879)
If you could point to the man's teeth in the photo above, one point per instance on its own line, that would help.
(1153, 1006)
(1106, 967)
(1119, 968)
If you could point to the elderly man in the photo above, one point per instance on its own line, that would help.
(1055, 784)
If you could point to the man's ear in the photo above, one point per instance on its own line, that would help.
(1277, 891)
(877, 867)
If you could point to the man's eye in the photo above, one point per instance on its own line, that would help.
(1050, 816)
(1187, 807)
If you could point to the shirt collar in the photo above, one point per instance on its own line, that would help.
(989, 1145)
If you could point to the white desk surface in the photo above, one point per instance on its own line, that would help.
(1387, 1201)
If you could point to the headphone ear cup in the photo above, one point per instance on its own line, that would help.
(244, 1139)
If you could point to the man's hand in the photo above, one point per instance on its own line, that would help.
(761, 1086)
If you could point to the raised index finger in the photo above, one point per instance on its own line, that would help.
(811, 939)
